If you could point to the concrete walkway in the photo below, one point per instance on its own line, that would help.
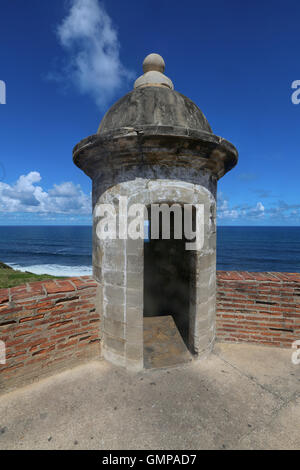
(242, 397)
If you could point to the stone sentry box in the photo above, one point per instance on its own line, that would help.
(153, 146)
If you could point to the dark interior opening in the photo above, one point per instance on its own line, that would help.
(167, 278)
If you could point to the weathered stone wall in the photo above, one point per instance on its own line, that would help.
(47, 326)
(119, 267)
(259, 308)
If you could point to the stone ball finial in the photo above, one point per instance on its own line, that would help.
(153, 62)
(153, 68)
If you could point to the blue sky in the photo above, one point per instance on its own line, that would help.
(65, 62)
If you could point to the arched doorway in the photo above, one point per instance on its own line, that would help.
(125, 263)
(167, 293)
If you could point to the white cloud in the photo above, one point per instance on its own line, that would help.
(239, 212)
(92, 47)
(27, 196)
(280, 212)
(224, 212)
(67, 190)
(257, 211)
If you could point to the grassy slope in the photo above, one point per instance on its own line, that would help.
(10, 278)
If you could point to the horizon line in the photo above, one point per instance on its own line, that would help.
(91, 225)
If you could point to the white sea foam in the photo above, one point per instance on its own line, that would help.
(55, 269)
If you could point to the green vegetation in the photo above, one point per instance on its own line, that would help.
(11, 278)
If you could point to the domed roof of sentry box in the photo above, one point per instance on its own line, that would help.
(153, 102)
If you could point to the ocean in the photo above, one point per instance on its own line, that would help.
(67, 250)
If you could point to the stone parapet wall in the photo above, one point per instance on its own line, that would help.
(259, 308)
(47, 326)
